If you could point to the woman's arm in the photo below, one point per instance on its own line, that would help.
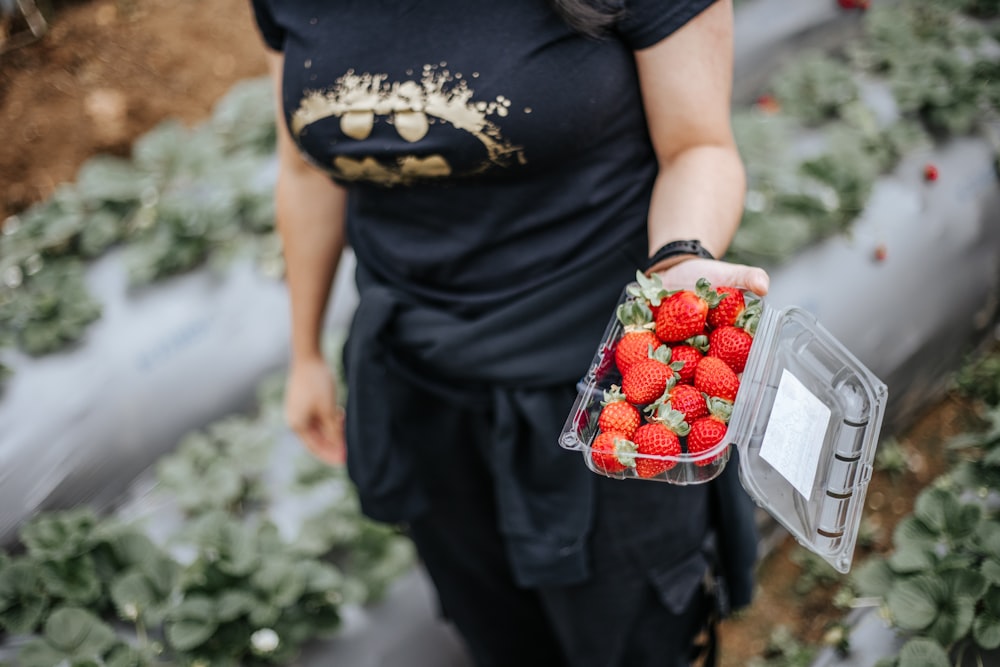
(309, 209)
(686, 82)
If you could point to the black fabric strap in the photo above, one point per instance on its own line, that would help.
(675, 248)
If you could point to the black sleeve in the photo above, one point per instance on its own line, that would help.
(270, 30)
(646, 22)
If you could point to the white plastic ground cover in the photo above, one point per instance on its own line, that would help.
(914, 316)
(76, 427)
(768, 32)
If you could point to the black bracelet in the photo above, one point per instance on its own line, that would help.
(674, 248)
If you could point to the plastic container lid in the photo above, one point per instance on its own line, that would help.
(806, 423)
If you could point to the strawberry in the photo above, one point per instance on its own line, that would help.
(638, 340)
(880, 253)
(715, 378)
(930, 172)
(682, 398)
(612, 452)
(685, 312)
(646, 380)
(617, 415)
(710, 430)
(729, 308)
(657, 439)
(768, 104)
(688, 357)
(732, 345)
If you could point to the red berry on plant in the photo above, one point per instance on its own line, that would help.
(930, 172)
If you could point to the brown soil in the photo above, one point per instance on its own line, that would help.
(109, 70)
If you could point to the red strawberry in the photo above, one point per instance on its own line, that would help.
(646, 380)
(612, 452)
(617, 415)
(649, 289)
(729, 308)
(881, 252)
(685, 313)
(732, 345)
(682, 398)
(715, 378)
(656, 439)
(709, 431)
(930, 172)
(639, 339)
(689, 355)
(768, 104)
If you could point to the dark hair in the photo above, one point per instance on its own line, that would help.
(590, 17)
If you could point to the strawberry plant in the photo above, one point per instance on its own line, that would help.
(222, 585)
(185, 196)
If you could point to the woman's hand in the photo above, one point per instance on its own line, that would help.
(684, 275)
(312, 411)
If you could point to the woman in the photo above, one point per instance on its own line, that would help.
(500, 171)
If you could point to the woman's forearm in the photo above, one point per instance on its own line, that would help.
(310, 219)
(310, 216)
(699, 194)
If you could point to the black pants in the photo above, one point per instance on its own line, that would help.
(645, 605)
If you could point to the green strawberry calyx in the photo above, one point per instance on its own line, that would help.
(719, 408)
(635, 315)
(703, 288)
(661, 412)
(648, 288)
(750, 317)
(613, 395)
(625, 451)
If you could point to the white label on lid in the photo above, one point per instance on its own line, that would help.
(795, 433)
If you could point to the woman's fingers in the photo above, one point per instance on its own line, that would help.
(685, 274)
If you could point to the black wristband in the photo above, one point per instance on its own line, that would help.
(675, 248)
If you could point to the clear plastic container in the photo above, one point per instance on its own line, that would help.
(806, 420)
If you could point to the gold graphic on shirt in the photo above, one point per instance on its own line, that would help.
(360, 100)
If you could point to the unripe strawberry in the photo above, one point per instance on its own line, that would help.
(715, 378)
(612, 452)
(655, 439)
(617, 415)
(646, 380)
(685, 313)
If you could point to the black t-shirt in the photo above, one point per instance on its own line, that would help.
(486, 146)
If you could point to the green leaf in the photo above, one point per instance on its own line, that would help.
(191, 623)
(133, 594)
(954, 620)
(74, 580)
(934, 506)
(873, 578)
(78, 632)
(912, 532)
(913, 603)
(23, 601)
(922, 652)
(233, 604)
(60, 535)
(990, 569)
(910, 559)
(964, 583)
(986, 630)
(280, 581)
